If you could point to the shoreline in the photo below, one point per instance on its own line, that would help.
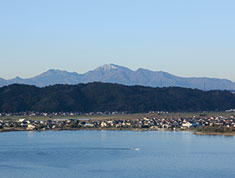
(74, 129)
(215, 133)
(121, 129)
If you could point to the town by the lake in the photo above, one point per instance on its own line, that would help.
(200, 124)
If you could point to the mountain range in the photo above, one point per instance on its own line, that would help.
(111, 73)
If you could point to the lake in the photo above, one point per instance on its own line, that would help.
(115, 154)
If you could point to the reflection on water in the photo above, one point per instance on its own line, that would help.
(115, 154)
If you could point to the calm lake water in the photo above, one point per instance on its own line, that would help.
(112, 154)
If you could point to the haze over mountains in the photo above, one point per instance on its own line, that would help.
(111, 73)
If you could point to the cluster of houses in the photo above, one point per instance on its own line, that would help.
(143, 123)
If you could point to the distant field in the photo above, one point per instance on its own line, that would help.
(124, 116)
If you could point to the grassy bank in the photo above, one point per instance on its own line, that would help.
(215, 133)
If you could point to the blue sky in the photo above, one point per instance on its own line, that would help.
(186, 38)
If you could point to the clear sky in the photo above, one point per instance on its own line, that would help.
(182, 37)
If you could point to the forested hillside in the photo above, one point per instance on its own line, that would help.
(111, 97)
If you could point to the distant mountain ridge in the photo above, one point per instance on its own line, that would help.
(111, 73)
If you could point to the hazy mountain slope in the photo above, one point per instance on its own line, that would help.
(111, 73)
(210, 83)
(52, 77)
(156, 79)
(3, 82)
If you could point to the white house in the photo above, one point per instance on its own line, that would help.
(188, 124)
(31, 127)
